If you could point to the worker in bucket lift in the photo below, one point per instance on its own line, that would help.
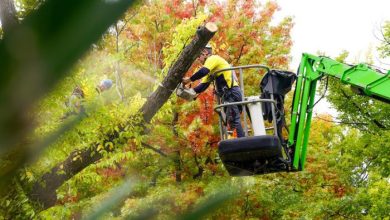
(226, 85)
(74, 103)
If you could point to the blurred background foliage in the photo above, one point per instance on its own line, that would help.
(171, 170)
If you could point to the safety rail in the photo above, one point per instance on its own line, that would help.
(254, 66)
(223, 133)
(218, 107)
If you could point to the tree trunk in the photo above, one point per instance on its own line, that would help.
(44, 190)
(119, 85)
(178, 167)
(118, 80)
(7, 15)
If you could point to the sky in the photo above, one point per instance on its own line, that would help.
(331, 26)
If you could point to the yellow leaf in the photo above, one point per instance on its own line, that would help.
(29, 175)
(110, 145)
(100, 147)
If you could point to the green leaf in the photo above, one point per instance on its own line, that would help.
(114, 197)
(36, 54)
(210, 205)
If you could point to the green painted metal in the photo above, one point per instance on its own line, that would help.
(371, 82)
(368, 81)
(312, 95)
(301, 118)
(297, 96)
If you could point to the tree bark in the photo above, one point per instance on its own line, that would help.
(178, 166)
(44, 190)
(8, 15)
(119, 85)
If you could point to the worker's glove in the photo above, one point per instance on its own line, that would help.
(186, 80)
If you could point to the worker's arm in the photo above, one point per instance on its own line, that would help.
(201, 87)
(200, 74)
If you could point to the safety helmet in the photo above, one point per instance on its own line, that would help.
(106, 83)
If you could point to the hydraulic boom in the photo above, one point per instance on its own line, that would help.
(362, 78)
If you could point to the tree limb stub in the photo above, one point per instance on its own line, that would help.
(44, 190)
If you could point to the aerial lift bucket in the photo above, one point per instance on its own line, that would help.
(252, 155)
(256, 154)
(261, 153)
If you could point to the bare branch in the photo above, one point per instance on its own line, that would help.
(154, 149)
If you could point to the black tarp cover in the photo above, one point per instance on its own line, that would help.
(278, 83)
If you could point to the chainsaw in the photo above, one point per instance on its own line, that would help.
(184, 93)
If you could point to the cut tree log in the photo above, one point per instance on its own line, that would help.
(44, 189)
(177, 71)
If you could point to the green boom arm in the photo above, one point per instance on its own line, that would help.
(312, 68)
